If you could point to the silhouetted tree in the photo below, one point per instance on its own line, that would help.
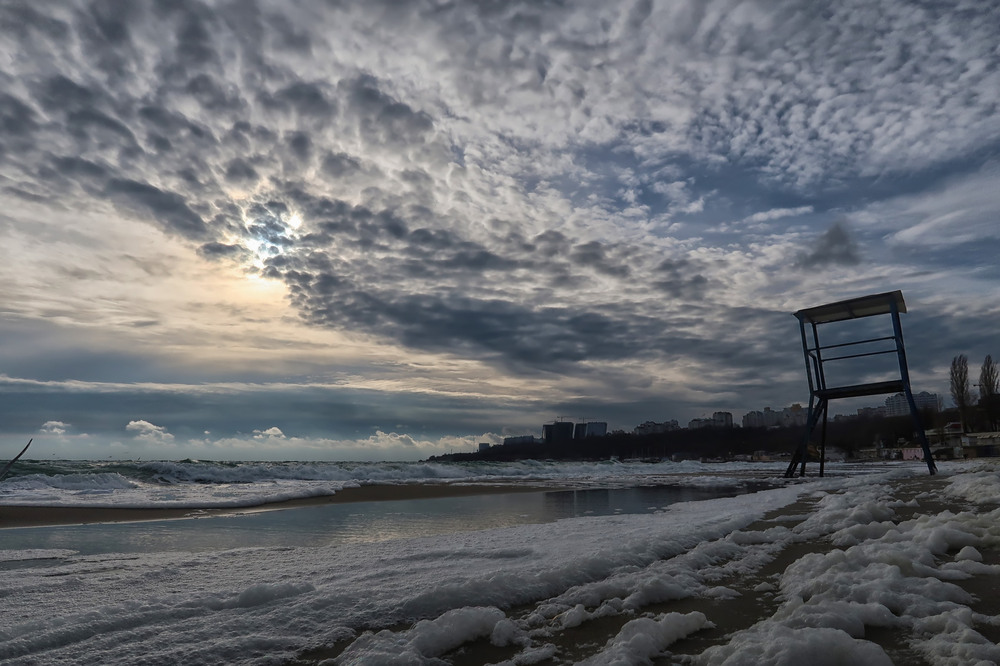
(961, 394)
(988, 389)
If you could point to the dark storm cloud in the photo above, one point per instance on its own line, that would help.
(17, 119)
(109, 21)
(174, 124)
(382, 118)
(266, 223)
(91, 125)
(104, 28)
(80, 168)
(300, 144)
(433, 240)
(60, 93)
(24, 17)
(239, 170)
(168, 208)
(510, 333)
(834, 247)
(456, 293)
(340, 164)
(216, 250)
(304, 98)
(212, 95)
(194, 32)
(595, 255)
(341, 223)
(543, 332)
(18, 123)
(680, 278)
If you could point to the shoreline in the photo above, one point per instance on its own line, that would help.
(752, 581)
(14, 516)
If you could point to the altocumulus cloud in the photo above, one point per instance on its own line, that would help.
(589, 190)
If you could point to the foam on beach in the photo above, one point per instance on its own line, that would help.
(874, 559)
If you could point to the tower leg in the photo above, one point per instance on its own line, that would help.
(904, 374)
(801, 453)
(921, 433)
(822, 441)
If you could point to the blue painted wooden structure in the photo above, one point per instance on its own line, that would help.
(820, 393)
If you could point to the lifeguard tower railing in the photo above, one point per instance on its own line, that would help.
(820, 393)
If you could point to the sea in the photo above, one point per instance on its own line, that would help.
(539, 492)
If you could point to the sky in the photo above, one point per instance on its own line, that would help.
(387, 230)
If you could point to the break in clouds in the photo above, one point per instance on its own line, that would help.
(537, 186)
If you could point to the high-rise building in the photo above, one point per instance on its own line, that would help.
(520, 439)
(871, 412)
(794, 415)
(897, 405)
(753, 419)
(590, 429)
(560, 431)
(654, 428)
(722, 420)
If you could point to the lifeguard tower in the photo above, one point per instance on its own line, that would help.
(821, 392)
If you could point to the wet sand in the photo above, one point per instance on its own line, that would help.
(37, 516)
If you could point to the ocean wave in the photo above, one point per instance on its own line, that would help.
(205, 484)
(99, 481)
(220, 472)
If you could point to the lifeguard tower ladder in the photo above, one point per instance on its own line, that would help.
(820, 394)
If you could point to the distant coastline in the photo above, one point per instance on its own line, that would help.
(699, 444)
(707, 443)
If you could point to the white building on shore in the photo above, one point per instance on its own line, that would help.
(897, 405)
(718, 420)
(795, 415)
(654, 428)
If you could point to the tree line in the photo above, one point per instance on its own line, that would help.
(973, 414)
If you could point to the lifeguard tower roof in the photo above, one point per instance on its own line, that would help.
(853, 308)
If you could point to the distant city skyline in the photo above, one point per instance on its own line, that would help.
(309, 230)
(795, 414)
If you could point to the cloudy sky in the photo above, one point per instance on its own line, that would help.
(346, 230)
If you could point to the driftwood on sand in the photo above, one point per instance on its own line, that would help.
(11, 463)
